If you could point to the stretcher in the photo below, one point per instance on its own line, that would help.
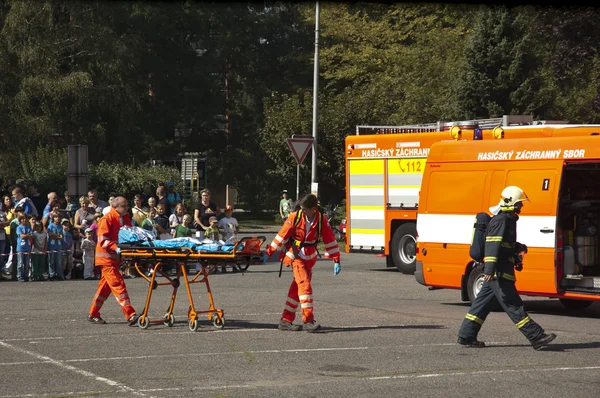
(245, 252)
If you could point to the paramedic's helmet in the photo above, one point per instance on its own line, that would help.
(512, 195)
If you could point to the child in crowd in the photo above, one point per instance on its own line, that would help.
(151, 202)
(67, 248)
(184, 229)
(230, 229)
(176, 218)
(88, 246)
(149, 223)
(24, 235)
(228, 224)
(38, 252)
(213, 231)
(55, 249)
(32, 220)
(162, 222)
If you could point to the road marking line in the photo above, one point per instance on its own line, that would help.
(82, 372)
(480, 372)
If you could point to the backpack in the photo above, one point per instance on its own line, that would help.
(476, 251)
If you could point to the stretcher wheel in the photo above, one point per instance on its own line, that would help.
(169, 320)
(193, 324)
(154, 285)
(143, 322)
(218, 321)
(244, 267)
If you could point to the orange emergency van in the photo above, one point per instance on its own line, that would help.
(384, 168)
(560, 224)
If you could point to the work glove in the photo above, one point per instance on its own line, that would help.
(337, 268)
(264, 257)
(118, 250)
(519, 267)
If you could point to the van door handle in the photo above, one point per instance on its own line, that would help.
(546, 230)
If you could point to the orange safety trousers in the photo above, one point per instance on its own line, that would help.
(300, 292)
(111, 282)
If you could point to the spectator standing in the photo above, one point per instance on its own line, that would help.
(52, 201)
(38, 252)
(138, 210)
(22, 201)
(88, 246)
(55, 249)
(173, 196)
(286, 205)
(162, 200)
(24, 235)
(13, 267)
(95, 202)
(84, 216)
(3, 237)
(228, 224)
(162, 222)
(111, 197)
(205, 209)
(77, 272)
(151, 202)
(9, 211)
(37, 199)
(185, 228)
(149, 223)
(213, 231)
(67, 248)
(71, 207)
(177, 217)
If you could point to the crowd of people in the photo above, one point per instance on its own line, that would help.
(56, 239)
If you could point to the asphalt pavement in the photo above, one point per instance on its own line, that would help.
(383, 335)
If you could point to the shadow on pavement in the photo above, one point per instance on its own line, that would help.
(327, 329)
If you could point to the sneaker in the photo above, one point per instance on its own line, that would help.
(543, 341)
(471, 343)
(133, 319)
(288, 326)
(310, 327)
(96, 319)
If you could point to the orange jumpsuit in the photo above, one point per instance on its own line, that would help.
(108, 259)
(297, 239)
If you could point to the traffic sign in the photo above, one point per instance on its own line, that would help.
(300, 145)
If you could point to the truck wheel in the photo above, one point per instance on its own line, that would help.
(474, 285)
(475, 282)
(575, 304)
(404, 248)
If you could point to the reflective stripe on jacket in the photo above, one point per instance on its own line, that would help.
(108, 236)
(295, 240)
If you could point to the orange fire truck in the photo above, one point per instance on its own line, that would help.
(560, 223)
(384, 168)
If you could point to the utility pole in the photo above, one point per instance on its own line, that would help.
(314, 184)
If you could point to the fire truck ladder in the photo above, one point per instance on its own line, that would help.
(484, 124)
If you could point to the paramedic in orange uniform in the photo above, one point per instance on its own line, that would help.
(107, 257)
(299, 236)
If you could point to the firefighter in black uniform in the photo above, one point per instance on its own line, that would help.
(501, 258)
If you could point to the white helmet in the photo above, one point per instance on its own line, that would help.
(509, 197)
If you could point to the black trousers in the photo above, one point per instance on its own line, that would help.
(505, 292)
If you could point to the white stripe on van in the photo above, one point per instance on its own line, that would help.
(458, 228)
